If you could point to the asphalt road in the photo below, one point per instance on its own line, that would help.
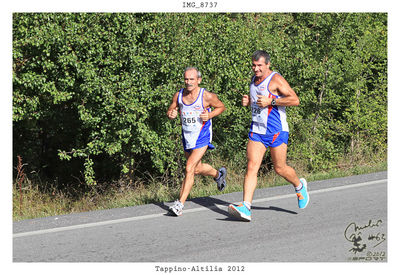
(346, 220)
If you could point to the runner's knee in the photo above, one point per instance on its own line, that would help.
(190, 169)
(252, 167)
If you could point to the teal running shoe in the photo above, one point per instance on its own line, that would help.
(240, 212)
(302, 195)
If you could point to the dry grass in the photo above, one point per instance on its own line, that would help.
(29, 202)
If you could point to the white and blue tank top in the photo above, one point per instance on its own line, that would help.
(268, 120)
(195, 132)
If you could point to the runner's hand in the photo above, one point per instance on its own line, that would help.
(204, 116)
(172, 113)
(245, 100)
(263, 101)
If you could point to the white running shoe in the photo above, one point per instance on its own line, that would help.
(176, 208)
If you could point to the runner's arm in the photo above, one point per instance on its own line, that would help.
(289, 97)
(173, 108)
(212, 100)
(246, 100)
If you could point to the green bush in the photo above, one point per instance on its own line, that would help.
(90, 90)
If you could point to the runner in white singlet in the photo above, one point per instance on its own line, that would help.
(270, 93)
(197, 107)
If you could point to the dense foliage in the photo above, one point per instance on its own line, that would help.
(90, 90)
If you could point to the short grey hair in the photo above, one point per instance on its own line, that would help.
(260, 53)
(192, 68)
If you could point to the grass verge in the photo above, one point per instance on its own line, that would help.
(29, 202)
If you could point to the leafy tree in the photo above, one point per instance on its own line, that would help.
(90, 90)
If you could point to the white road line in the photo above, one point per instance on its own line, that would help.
(94, 224)
(325, 190)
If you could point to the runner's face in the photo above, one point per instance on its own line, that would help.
(191, 80)
(259, 67)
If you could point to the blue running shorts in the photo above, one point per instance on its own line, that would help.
(270, 140)
(202, 141)
(210, 147)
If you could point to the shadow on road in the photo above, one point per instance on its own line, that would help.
(208, 202)
(214, 204)
(273, 208)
